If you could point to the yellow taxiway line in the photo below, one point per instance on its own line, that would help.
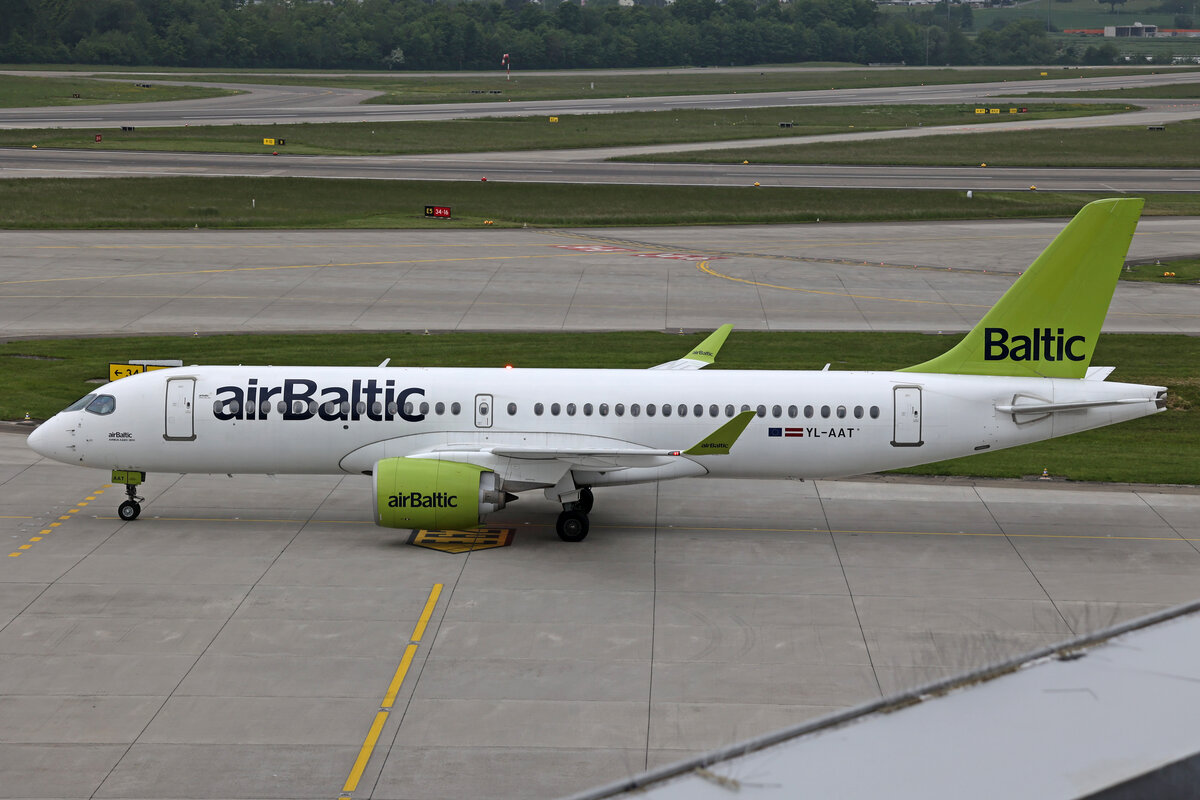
(389, 699)
(50, 528)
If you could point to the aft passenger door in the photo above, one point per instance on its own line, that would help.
(180, 419)
(906, 430)
(483, 411)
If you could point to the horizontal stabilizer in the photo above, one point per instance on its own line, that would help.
(1098, 373)
(1050, 408)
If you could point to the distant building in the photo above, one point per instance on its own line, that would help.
(1136, 29)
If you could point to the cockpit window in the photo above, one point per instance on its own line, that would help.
(103, 404)
(80, 403)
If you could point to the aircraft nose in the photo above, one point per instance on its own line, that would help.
(44, 440)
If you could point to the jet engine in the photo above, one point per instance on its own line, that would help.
(431, 494)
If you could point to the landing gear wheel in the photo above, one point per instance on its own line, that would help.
(129, 510)
(572, 526)
(585, 501)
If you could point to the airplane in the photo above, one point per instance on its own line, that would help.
(446, 447)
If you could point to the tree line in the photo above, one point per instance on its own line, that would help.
(425, 35)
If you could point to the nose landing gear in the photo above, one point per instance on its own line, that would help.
(131, 508)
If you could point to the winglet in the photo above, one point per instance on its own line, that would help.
(720, 441)
(703, 354)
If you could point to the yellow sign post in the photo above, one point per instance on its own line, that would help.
(118, 371)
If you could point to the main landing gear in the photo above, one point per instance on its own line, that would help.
(131, 508)
(572, 523)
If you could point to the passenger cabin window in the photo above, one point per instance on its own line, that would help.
(713, 410)
(793, 412)
(808, 412)
(619, 409)
(874, 412)
(666, 410)
(555, 409)
(761, 411)
(103, 405)
(650, 409)
(392, 408)
(858, 412)
(587, 409)
(538, 408)
(455, 408)
(512, 409)
(80, 403)
(841, 412)
(439, 408)
(604, 409)
(570, 409)
(635, 410)
(697, 410)
(776, 411)
(729, 410)
(825, 412)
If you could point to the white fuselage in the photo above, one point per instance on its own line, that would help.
(332, 420)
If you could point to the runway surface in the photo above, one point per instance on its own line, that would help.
(264, 103)
(529, 168)
(894, 276)
(240, 639)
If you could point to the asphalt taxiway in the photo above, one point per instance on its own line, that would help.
(929, 276)
(260, 638)
(270, 103)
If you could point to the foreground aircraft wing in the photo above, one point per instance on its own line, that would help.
(704, 353)
(717, 443)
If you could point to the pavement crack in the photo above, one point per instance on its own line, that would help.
(849, 590)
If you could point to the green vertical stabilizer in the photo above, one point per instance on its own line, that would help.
(1047, 323)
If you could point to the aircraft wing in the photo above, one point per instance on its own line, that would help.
(704, 353)
(717, 443)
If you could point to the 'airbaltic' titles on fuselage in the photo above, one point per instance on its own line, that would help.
(1043, 345)
(302, 399)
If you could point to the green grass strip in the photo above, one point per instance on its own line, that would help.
(1117, 146)
(43, 376)
(534, 133)
(19, 91)
(185, 202)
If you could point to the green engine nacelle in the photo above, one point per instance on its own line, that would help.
(431, 494)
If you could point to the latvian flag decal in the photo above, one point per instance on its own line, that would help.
(787, 433)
